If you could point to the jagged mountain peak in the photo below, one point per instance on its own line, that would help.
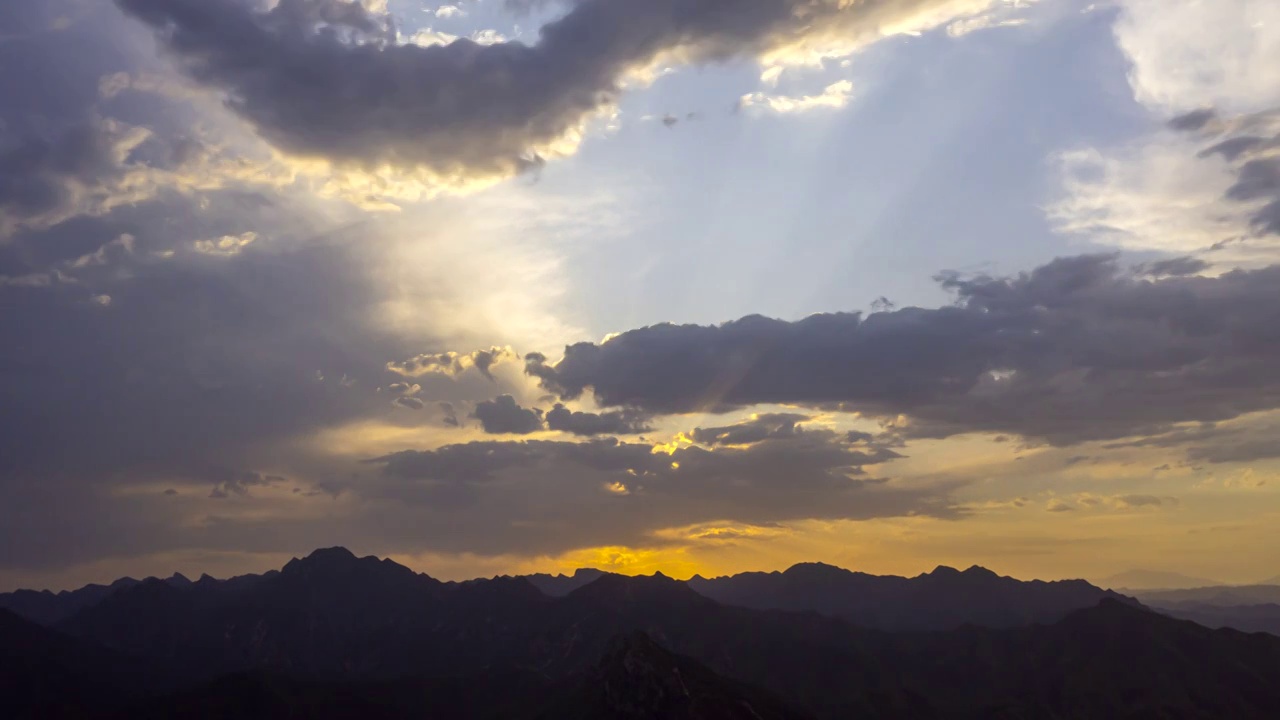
(816, 569)
(638, 588)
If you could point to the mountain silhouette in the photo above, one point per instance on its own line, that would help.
(943, 599)
(561, 585)
(335, 635)
(48, 608)
(1154, 580)
(1251, 608)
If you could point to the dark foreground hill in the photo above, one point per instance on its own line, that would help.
(333, 635)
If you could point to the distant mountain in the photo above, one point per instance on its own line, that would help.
(333, 636)
(1271, 581)
(48, 608)
(1246, 618)
(1153, 580)
(1220, 596)
(303, 618)
(943, 599)
(1250, 608)
(561, 585)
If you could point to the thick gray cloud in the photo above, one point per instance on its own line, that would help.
(613, 422)
(321, 78)
(761, 427)
(504, 415)
(57, 149)
(1078, 349)
(41, 177)
(546, 496)
(126, 354)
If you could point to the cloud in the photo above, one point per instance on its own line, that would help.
(546, 496)
(45, 180)
(227, 245)
(503, 415)
(452, 363)
(122, 245)
(464, 110)
(963, 27)
(1141, 501)
(614, 422)
(1187, 55)
(1229, 451)
(756, 429)
(449, 415)
(1175, 266)
(1081, 348)
(1207, 182)
(1058, 506)
(227, 482)
(1210, 188)
(836, 95)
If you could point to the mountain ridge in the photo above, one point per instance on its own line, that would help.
(362, 637)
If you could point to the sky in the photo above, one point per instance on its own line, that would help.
(691, 286)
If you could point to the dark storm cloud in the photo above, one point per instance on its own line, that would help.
(41, 177)
(57, 150)
(760, 427)
(124, 355)
(349, 94)
(184, 365)
(1078, 349)
(546, 496)
(197, 362)
(613, 422)
(503, 415)
(526, 498)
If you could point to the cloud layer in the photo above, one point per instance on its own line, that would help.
(326, 78)
(1081, 348)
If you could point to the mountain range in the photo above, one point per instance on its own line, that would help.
(1153, 580)
(940, 600)
(334, 635)
(1252, 608)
